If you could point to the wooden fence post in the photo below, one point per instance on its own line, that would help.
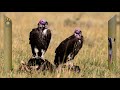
(112, 42)
(7, 43)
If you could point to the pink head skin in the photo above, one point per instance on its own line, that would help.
(43, 23)
(78, 33)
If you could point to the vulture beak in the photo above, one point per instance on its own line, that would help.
(77, 36)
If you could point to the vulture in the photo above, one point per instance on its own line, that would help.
(43, 64)
(69, 48)
(110, 46)
(38, 64)
(39, 39)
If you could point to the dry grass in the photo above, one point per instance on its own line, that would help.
(92, 58)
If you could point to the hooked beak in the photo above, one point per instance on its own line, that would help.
(78, 36)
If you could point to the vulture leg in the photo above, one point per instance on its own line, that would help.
(33, 51)
(36, 52)
(43, 52)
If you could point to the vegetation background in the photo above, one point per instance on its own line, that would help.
(92, 58)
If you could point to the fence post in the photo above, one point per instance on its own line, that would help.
(7, 43)
(112, 42)
(119, 31)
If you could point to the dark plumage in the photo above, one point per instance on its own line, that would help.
(110, 42)
(35, 61)
(68, 48)
(74, 68)
(43, 64)
(39, 39)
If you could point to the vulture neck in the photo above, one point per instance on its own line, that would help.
(41, 29)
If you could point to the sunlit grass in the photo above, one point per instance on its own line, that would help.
(92, 58)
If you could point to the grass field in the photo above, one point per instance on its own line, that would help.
(92, 58)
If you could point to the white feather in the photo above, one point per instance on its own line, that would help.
(45, 32)
(36, 51)
(69, 57)
(43, 52)
(80, 41)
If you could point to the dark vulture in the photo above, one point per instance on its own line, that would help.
(37, 64)
(43, 64)
(110, 46)
(69, 48)
(39, 39)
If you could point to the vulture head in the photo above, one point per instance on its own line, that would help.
(42, 24)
